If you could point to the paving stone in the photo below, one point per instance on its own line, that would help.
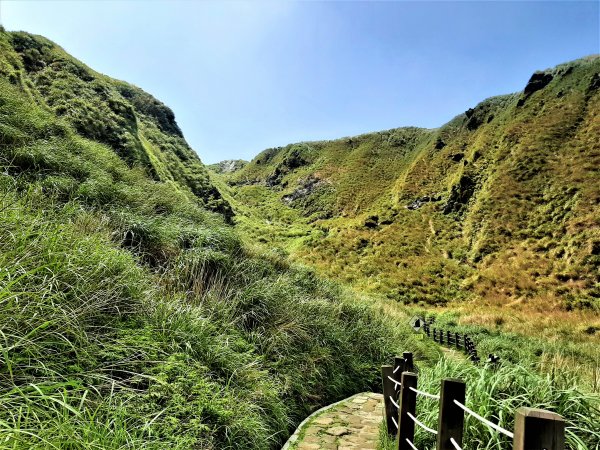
(323, 420)
(329, 446)
(337, 431)
(351, 425)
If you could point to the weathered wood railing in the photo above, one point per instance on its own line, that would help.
(454, 339)
(535, 429)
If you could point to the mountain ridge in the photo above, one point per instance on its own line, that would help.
(428, 192)
(141, 129)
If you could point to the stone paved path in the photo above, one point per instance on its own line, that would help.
(352, 424)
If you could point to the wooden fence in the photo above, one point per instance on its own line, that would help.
(454, 339)
(535, 429)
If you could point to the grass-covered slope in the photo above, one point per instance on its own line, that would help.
(501, 205)
(136, 126)
(132, 316)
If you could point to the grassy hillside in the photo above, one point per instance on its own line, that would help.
(140, 129)
(132, 315)
(500, 205)
(495, 215)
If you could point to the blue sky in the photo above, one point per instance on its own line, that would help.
(243, 76)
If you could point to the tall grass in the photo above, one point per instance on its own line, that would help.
(206, 345)
(497, 393)
(134, 318)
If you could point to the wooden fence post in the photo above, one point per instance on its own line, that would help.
(448, 337)
(408, 404)
(408, 362)
(537, 429)
(387, 372)
(457, 340)
(451, 416)
(400, 365)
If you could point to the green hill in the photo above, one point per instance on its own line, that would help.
(499, 206)
(132, 315)
(140, 129)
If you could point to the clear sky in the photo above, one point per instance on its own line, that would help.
(243, 76)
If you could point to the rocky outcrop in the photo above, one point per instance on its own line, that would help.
(229, 165)
(539, 80)
(306, 187)
(372, 222)
(418, 202)
(460, 194)
(292, 161)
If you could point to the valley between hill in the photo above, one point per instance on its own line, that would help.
(138, 310)
(494, 217)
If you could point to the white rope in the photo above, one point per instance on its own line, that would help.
(425, 394)
(453, 442)
(395, 423)
(396, 369)
(421, 424)
(397, 382)
(487, 422)
(393, 402)
(411, 444)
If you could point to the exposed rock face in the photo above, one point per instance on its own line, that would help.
(372, 222)
(539, 80)
(595, 83)
(306, 187)
(483, 112)
(418, 202)
(229, 165)
(292, 161)
(456, 157)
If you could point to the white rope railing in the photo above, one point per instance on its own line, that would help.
(421, 424)
(484, 420)
(454, 443)
(395, 423)
(424, 394)
(395, 381)
(393, 402)
(396, 369)
(411, 444)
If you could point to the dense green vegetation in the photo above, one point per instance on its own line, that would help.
(490, 223)
(131, 315)
(137, 127)
(499, 206)
(134, 316)
(496, 395)
(494, 216)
